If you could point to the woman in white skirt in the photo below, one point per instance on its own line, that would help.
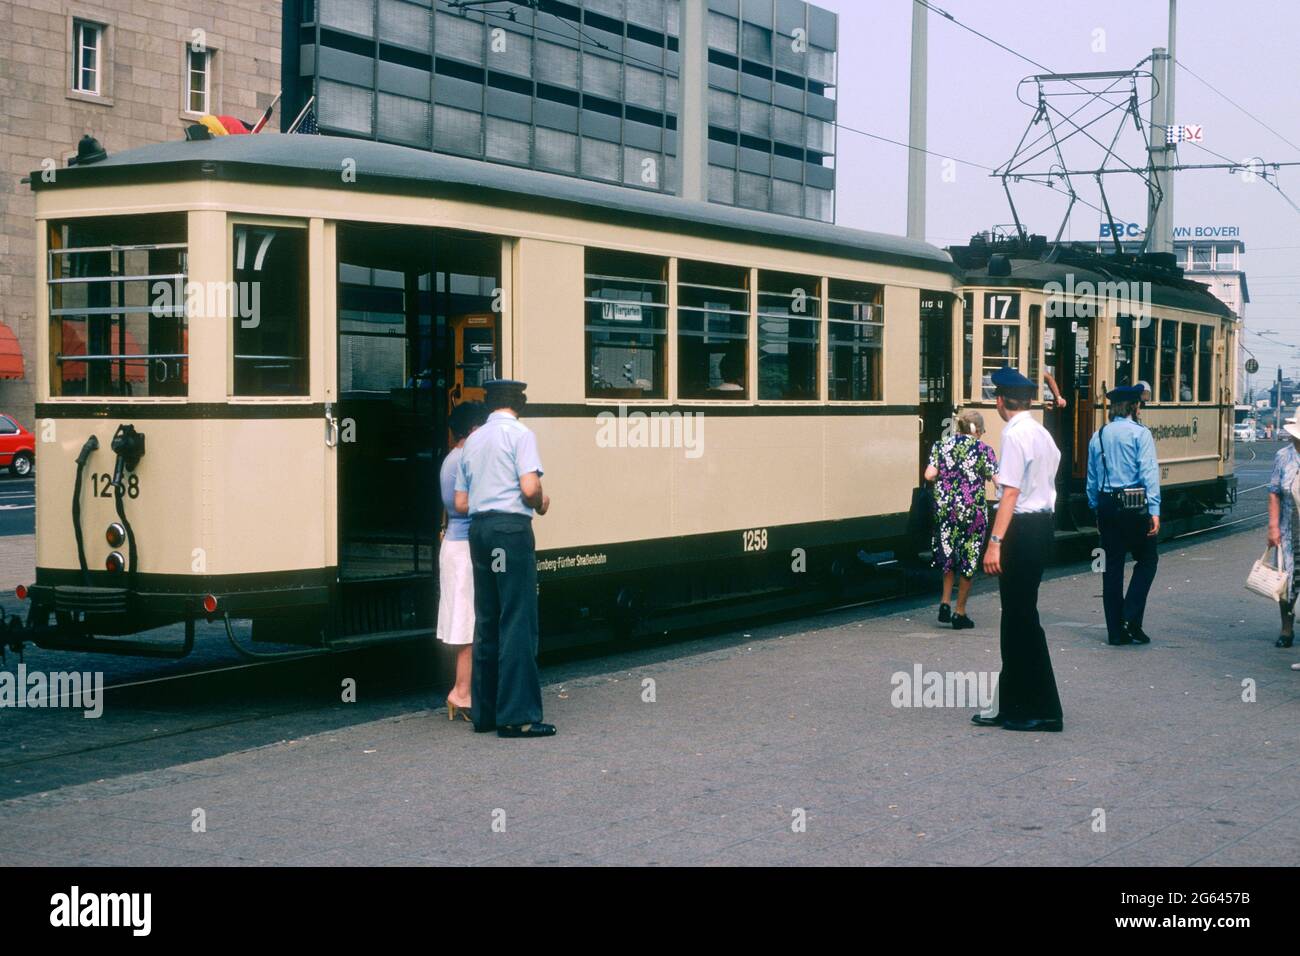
(455, 571)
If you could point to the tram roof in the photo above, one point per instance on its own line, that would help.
(1036, 273)
(382, 167)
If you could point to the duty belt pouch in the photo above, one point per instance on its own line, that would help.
(1130, 501)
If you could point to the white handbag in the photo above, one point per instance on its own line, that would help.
(1269, 580)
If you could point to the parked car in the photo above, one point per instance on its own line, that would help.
(1244, 431)
(17, 447)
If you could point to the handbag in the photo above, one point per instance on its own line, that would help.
(1131, 500)
(1269, 580)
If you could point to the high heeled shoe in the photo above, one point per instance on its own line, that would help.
(454, 709)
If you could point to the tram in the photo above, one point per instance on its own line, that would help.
(249, 346)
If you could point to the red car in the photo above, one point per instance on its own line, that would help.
(17, 447)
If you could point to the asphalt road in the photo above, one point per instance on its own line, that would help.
(17, 505)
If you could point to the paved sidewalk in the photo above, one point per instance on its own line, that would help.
(789, 718)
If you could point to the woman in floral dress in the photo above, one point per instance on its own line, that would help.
(960, 467)
(1284, 523)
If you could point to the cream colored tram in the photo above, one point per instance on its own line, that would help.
(249, 345)
(1091, 323)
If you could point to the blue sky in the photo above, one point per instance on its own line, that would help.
(1248, 49)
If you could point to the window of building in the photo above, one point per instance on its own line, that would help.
(1168, 361)
(198, 80)
(856, 335)
(1147, 354)
(117, 294)
(268, 307)
(1225, 257)
(87, 56)
(1187, 363)
(626, 307)
(1200, 257)
(712, 330)
(1205, 363)
(1124, 352)
(1000, 341)
(789, 321)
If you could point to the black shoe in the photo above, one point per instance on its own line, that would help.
(979, 720)
(1123, 638)
(485, 728)
(1136, 634)
(945, 613)
(1284, 641)
(960, 622)
(527, 730)
(1036, 725)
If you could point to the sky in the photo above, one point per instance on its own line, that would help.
(1247, 49)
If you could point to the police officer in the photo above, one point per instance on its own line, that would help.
(1124, 491)
(500, 487)
(1019, 544)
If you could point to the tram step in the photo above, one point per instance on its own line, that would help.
(350, 641)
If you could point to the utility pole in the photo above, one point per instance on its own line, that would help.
(1160, 218)
(693, 102)
(916, 155)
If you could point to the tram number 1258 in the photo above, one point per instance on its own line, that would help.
(102, 485)
(755, 540)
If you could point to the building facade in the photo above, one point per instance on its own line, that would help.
(587, 88)
(129, 73)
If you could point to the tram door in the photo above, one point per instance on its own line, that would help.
(936, 371)
(474, 348)
(1069, 350)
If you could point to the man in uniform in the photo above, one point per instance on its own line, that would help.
(500, 487)
(1019, 544)
(1122, 455)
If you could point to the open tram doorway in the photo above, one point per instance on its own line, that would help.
(936, 398)
(419, 324)
(1069, 353)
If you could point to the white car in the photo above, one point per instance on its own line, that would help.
(1243, 431)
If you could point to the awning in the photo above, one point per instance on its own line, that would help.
(75, 344)
(11, 354)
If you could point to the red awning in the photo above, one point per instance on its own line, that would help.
(75, 344)
(11, 354)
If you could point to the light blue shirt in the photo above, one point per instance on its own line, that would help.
(496, 456)
(457, 524)
(1130, 461)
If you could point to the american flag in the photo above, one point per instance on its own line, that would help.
(308, 124)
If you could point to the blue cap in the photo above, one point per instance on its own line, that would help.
(1007, 378)
(1125, 393)
(505, 383)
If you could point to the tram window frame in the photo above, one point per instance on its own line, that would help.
(855, 299)
(1147, 354)
(1127, 344)
(1168, 353)
(601, 267)
(245, 381)
(1034, 359)
(1001, 313)
(95, 280)
(703, 323)
(968, 345)
(1205, 363)
(1187, 361)
(772, 295)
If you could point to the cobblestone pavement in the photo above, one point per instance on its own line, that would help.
(748, 735)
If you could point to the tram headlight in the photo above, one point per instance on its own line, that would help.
(115, 535)
(115, 562)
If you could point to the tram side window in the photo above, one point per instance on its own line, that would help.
(626, 308)
(857, 340)
(1035, 338)
(1124, 357)
(1147, 352)
(1187, 365)
(1168, 361)
(1001, 338)
(789, 322)
(712, 331)
(968, 343)
(269, 310)
(1205, 381)
(117, 295)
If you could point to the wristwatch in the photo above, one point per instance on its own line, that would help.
(996, 539)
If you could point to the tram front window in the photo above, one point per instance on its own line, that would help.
(117, 295)
(269, 310)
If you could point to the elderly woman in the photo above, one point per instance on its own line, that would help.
(1284, 523)
(960, 467)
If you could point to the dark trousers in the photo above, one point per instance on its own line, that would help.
(1121, 535)
(505, 685)
(1027, 686)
